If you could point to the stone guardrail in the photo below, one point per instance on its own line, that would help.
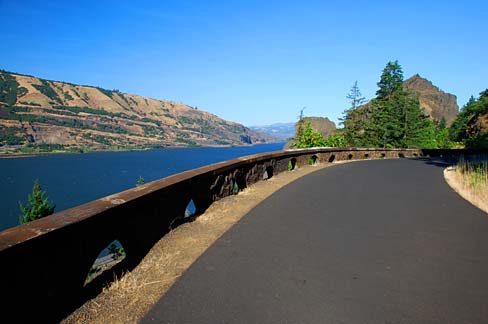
(44, 263)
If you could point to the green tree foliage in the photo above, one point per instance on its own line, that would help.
(37, 207)
(140, 181)
(392, 119)
(336, 140)
(391, 80)
(459, 131)
(8, 88)
(355, 96)
(299, 130)
(442, 135)
(308, 137)
(116, 250)
(353, 120)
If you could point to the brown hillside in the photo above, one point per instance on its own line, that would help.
(38, 111)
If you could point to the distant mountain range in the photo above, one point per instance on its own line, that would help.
(39, 112)
(282, 131)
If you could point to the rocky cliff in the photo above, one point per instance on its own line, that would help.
(320, 124)
(38, 111)
(435, 102)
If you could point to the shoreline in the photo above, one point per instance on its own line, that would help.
(12, 155)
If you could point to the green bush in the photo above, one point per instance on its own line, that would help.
(37, 207)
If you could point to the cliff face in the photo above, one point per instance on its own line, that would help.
(320, 124)
(435, 102)
(34, 110)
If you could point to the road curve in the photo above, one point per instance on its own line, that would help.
(384, 241)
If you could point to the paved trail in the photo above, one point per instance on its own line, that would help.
(382, 241)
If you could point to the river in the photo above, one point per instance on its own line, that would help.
(73, 179)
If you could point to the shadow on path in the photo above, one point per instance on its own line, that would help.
(368, 242)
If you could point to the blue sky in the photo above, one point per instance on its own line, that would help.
(253, 62)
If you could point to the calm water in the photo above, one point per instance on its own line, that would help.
(74, 179)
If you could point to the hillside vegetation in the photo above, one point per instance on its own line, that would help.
(471, 125)
(38, 114)
(412, 113)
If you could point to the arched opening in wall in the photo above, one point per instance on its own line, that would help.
(106, 260)
(366, 156)
(415, 155)
(190, 209)
(331, 158)
(382, 156)
(292, 164)
(240, 182)
(349, 157)
(313, 160)
(268, 173)
(401, 155)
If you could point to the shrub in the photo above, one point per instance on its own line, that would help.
(38, 206)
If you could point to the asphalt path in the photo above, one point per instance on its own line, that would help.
(384, 241)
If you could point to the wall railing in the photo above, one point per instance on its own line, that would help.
(44, 264)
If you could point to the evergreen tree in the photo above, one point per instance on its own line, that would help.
(471, 112)
(355, 96)
(391, 80)
(299, 131)
(38, 206)
(393, 119)
(353, 118)
(397, 119)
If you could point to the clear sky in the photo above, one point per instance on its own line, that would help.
(253, 62)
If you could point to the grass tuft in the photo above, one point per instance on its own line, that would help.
(469, 177)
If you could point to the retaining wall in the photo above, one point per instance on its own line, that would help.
(44, 263)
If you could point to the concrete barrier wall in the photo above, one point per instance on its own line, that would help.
(44, 263)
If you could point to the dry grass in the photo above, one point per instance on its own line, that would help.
(470, 180)
(128, 298)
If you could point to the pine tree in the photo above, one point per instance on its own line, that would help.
(397, 119)
(299, 131)
(353, 118)
(38, 206)
(391, 80)
(355, 96)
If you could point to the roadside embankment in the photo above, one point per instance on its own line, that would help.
(470, 181)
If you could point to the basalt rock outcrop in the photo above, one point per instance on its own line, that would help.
(435, 102)
(321, 125)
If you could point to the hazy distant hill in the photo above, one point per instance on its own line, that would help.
(282, 131)
(38, 111)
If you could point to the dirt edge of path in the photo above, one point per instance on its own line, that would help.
(455, 181)
(130, 297)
